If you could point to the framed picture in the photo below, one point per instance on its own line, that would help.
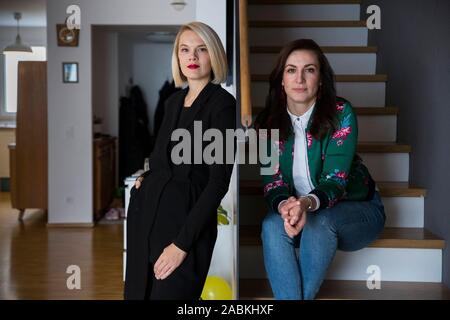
(70, 72)
(67, 37)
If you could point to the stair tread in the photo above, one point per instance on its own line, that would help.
(325, 49)
(307, 24)
(382, 147)
(389, 238)
(338, 78)
(387, 189)
(351, 289)
(361, 111)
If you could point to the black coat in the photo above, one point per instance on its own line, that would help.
(178, 203)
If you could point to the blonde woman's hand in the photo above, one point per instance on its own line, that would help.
(138, 182)
(168, 261)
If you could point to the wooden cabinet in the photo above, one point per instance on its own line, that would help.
(104, 174)
(28, 156)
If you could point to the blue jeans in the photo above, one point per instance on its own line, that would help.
(348, 226)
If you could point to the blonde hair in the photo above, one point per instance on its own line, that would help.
(215, 49)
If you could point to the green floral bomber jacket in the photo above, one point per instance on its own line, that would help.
(336, 171)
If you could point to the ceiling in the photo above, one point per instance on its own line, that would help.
(142, 32)
(33, 13)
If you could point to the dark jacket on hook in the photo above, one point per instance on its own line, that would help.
(134, 137)
(178, 203)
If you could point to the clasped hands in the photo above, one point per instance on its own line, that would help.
(294, 213)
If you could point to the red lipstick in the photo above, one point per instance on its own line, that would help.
(193, 66)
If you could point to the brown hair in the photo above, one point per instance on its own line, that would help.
(274, 114)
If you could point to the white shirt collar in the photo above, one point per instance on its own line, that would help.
(303, 118)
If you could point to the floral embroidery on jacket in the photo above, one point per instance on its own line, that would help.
(274, 185)
(338, 176)
(309, 138)
(342, 133)
(276, 169)
(340, 106)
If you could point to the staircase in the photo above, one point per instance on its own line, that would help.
(410, 257)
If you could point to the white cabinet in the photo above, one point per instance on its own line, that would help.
(129, 183)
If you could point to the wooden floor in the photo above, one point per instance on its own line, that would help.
(34, 258)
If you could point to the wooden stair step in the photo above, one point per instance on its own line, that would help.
(411, 238)
(338, 78)
(376, 111)
(400, 189)
(325, 49)
(307, 24)
(354, 290)
(360, 111)
(387, 189)
(383, 147)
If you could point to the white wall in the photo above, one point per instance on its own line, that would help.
(32, 36)
(125, 63)
(213, 13)
(151, 67)
(70, 105)
(105, 80)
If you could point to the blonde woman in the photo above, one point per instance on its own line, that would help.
(172, 216)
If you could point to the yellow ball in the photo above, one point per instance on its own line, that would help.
(216, 288)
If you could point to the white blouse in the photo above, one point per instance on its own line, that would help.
(300, 169)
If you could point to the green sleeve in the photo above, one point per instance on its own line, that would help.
(338, 157)
(276, 189)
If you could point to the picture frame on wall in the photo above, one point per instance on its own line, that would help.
(70, 72)
(67, 37)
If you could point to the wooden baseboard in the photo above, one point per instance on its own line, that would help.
(71, 225)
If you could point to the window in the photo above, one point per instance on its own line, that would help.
(11, 63)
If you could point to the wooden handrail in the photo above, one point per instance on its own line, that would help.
(246, 104)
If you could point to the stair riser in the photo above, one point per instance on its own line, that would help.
(304, 12)
(342, 63)
(362, 94)
(337, 36)
(401, 212)
(404, 212)
(415, 265)
(382, 166)
(387, 166)
(377, 128)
